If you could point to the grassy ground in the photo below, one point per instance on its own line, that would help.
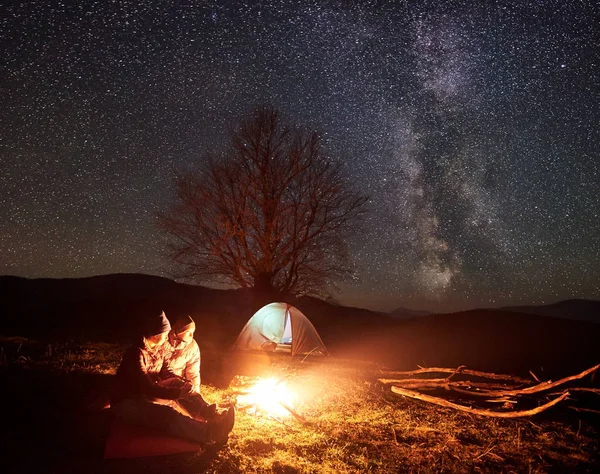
(352, 422)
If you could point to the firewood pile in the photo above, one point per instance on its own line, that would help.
(474, 388)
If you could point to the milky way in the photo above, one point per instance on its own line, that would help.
(473, 128)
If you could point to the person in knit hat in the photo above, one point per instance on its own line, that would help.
(157, 326)
(185, 359)
(138, 390)
(184, 362)
(138, 373)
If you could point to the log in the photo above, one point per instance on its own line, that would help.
(542, 387)
(478, 411)
(415, 381)
(585, 389)
(587, 410)
(460, 370)
(501, 400)
(481, 393)
(446, 384)
(420, 384)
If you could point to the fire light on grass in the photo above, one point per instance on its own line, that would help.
(269, 397)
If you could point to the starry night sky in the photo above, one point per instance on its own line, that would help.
(473, 126)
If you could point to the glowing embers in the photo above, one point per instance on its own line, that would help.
(266, 397)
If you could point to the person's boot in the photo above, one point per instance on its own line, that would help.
(220, 427)
(198, 409)
(209, 412)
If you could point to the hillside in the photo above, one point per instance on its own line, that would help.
(488, 339)
(112, 307)
(408, 313)
(582, 310)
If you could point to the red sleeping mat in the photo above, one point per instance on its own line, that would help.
(130, 441)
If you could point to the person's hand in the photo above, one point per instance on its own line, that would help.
(186, 389)
(172, 382)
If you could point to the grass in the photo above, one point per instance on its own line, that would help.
(353, 423)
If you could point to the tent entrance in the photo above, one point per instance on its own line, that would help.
(285, 344)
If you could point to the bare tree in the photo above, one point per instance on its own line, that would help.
(273, 214)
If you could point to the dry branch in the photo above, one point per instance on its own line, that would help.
(478, 411)
(446, 384)
(587, 410)
(533, 375)
(482, 392)
(293, 412)
(274, 418)
(420, 384)
(585, 389)
(503, 400)
(493, 392)
(542, 387)
(414, 381)
(460, 370)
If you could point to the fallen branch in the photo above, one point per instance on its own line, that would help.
(423, 385)
(481, 393)
(457, 371)
(477, 411)
(486, 390)
(274, 418)
(415, 381)
(585, 389)
(493, 392)
(460, 370)
(533, 375)
(488, 450)
(587, 410)
(542, 387)
(293, 412)
(445, 383)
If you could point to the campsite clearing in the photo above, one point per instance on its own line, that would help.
(353, 423)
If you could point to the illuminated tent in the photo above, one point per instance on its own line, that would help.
(280, 327)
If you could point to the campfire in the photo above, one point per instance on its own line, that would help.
(270, 397)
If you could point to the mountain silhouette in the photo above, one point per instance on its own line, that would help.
(114, 308)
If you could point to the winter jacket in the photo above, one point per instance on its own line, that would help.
(138, 374)
(184, 362)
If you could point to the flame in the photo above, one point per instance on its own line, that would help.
(268, 396)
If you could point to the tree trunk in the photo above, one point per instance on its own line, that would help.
(263, 291)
